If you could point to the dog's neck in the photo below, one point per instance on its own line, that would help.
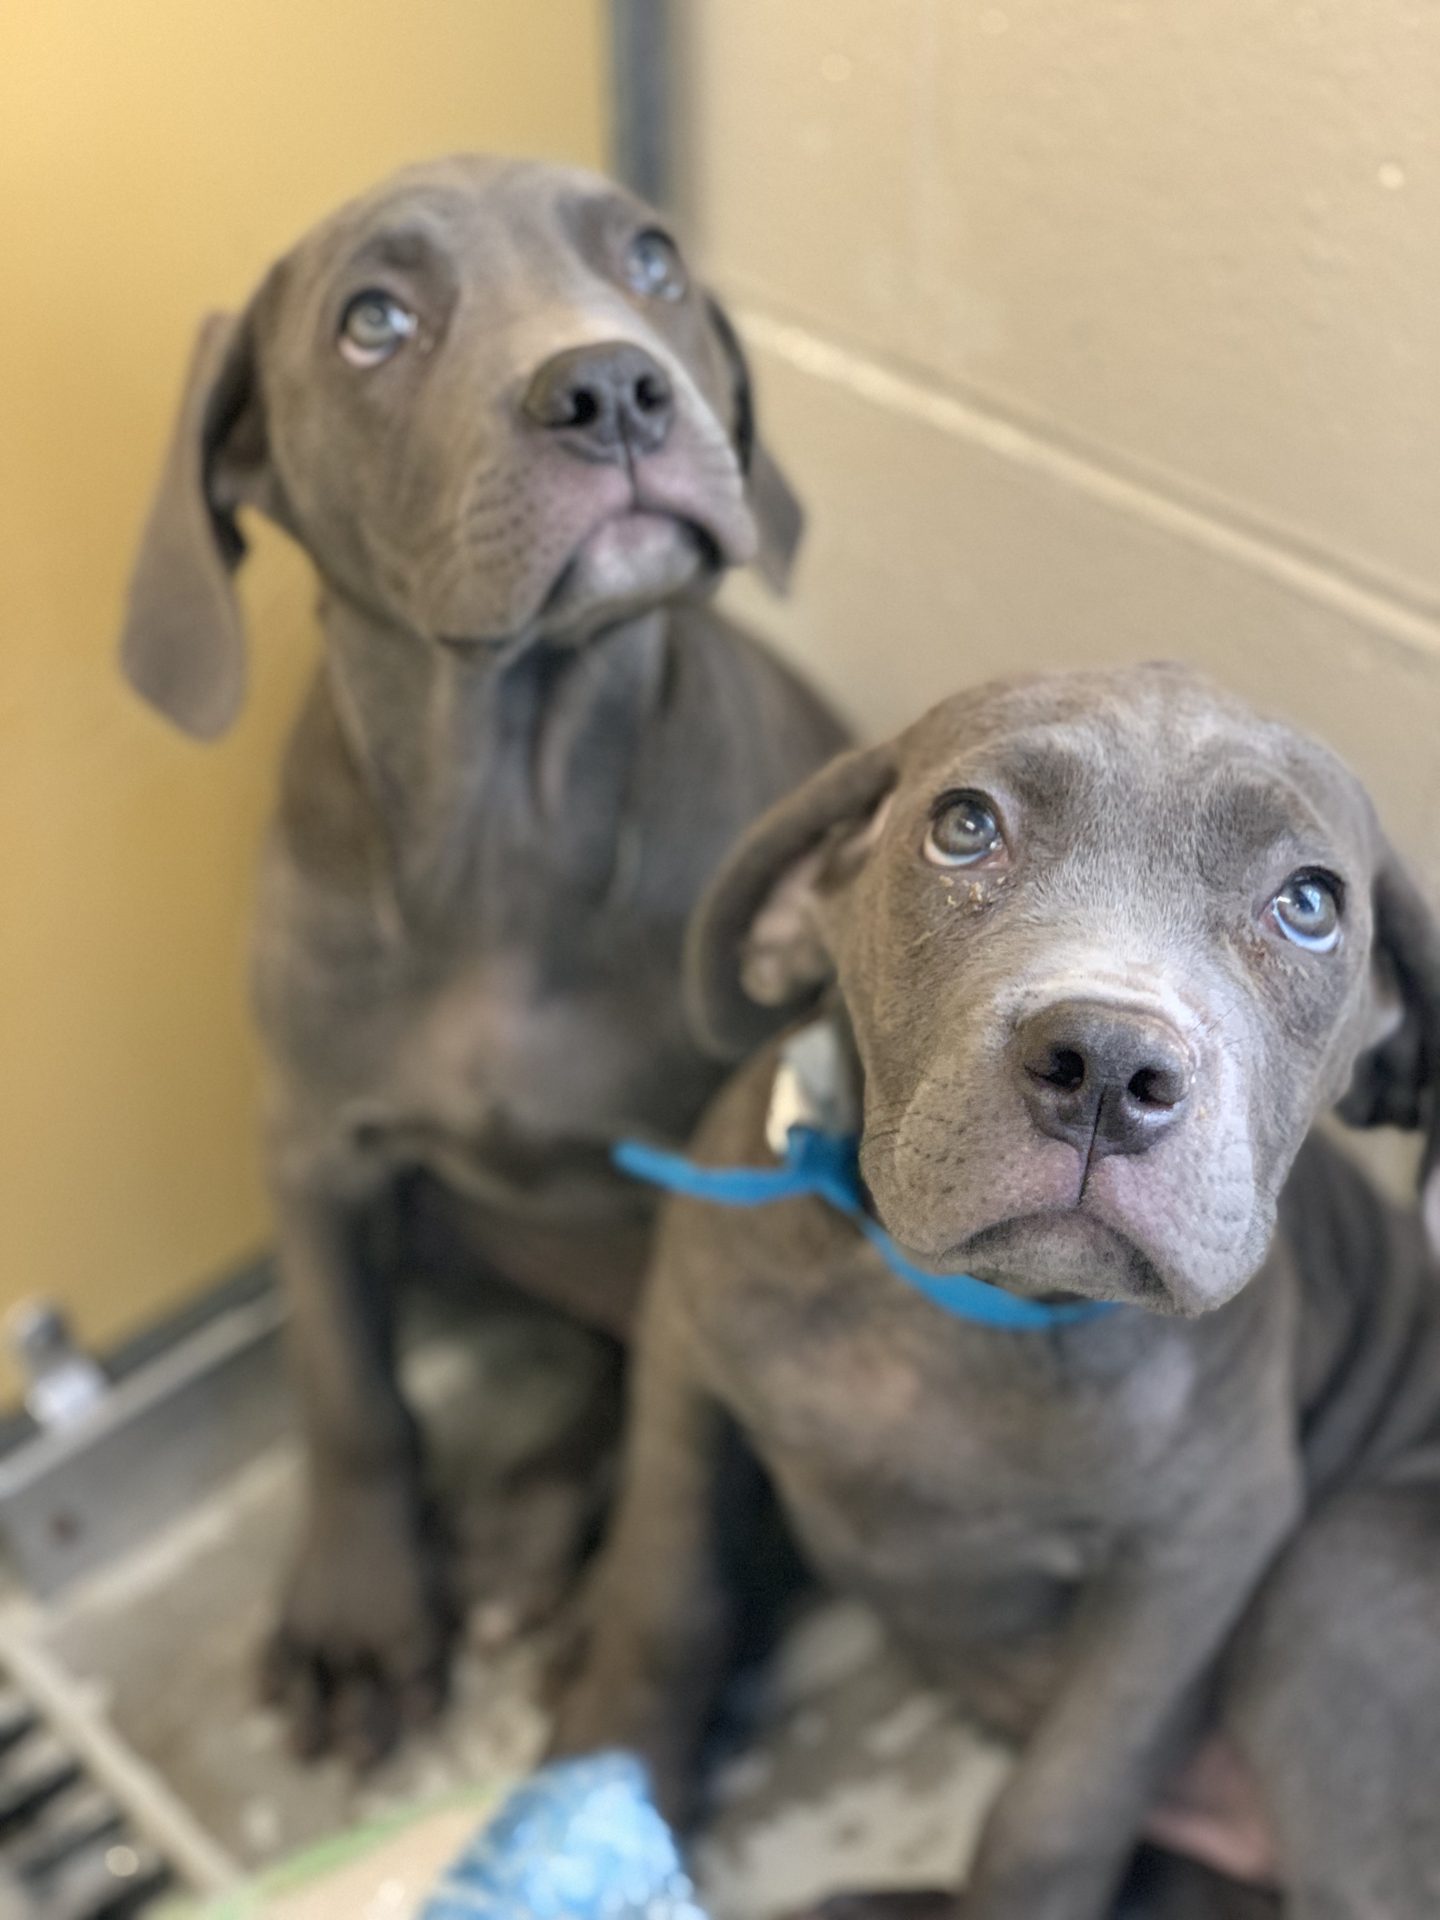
(475, 759)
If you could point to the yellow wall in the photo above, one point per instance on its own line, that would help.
(153, 158)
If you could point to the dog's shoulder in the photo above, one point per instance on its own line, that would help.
(732, 1129)
(1368, 1366)
(716, 1243)
(1346, 1233)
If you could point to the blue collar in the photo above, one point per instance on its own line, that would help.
(827, 1165)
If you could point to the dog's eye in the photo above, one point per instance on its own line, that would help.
(1307, 910)
(963, 831)
(373, 326)
(653, 266)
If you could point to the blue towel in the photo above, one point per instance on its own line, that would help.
(581, 1840)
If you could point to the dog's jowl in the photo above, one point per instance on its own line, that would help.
(517, 440)
(1078, 963)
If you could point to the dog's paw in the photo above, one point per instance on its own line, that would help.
(911, 1904)
(362, 1652)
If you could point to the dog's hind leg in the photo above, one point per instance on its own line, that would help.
(1333, 1695)
(520, 1552)
(521, 1542)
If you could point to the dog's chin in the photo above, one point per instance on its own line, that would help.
(1062, 1254)
(628, 564)
(622, 566)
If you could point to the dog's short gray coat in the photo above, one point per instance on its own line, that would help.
(527, 747)
(1220, 1501)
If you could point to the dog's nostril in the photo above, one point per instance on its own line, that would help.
(1156, 1087)
(1063, 1068)
(584, 408)
(1142, 1087)
(651, 394)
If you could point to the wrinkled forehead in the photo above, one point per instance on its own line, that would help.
(1156, 755)
(521, 225)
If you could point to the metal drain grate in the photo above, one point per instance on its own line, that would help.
(67, 1850)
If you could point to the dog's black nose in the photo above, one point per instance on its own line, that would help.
(1100, 1078)
(607, 401)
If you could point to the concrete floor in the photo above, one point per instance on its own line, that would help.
(853, 1773)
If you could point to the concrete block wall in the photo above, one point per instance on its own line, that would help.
(1094, 330)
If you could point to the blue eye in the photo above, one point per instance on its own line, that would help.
(373, 326)
(963, 831)
(653, 266)
(1307, 910)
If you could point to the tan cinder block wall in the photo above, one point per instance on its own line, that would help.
(1095, 330)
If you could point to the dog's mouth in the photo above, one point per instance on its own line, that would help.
(1061, 1253)
(631, 561)
(626, 563)
(642, 552)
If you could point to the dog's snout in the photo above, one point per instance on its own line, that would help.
(1103, 1079)
(606, 401)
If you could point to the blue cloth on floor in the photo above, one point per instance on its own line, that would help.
(581, 1840)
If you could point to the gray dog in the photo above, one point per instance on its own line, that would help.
(517, 440)
(1099, 950)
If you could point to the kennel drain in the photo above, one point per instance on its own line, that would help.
(67, 1849)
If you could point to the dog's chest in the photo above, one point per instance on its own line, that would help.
(491, 1043)
(927, 1462)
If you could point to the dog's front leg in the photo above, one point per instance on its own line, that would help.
(1063, 1830)
(363, 1644)
(661, 1613)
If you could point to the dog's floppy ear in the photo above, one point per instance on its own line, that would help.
(183, 644)
(756, 952)
(1397, 1082)
(779, 516)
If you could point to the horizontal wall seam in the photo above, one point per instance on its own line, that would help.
(868, 379)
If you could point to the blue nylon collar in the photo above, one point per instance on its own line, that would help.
(827, 1166)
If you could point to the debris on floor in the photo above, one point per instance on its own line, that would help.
(850, 1774)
